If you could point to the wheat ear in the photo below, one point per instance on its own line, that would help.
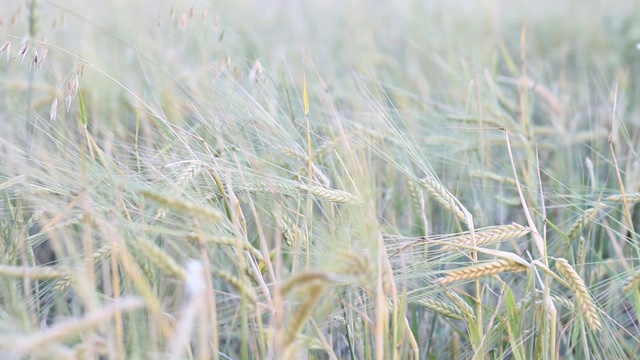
(162, 260)
(631, 282)
(582, 295)
(490, 235)
(632, 198)
(480, 270)
(443, 197)
(441, 308)
(586, 218)
(33, 273)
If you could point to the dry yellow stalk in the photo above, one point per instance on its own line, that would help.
(480, 270)
(582, 295)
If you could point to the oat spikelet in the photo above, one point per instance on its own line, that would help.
(443, 197)
(632, 198)
(582, 295)
(72, 91)
(490, 235)
(184, 206)
(33, 273)
(586, 218)
(24, 49)
(161, 260)
(480, 270)
(441, 308)
(6, 47)
(631, 282)
(53, 114)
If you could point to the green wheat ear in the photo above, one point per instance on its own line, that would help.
(34, 18)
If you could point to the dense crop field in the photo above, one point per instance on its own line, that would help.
(355, 179)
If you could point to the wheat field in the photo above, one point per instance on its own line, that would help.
(355, 179)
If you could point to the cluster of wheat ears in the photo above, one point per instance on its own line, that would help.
(252, 225)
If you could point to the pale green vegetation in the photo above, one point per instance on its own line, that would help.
(319, 179)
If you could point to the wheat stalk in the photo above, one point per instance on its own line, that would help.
(480, 270)
(581, 293)
(490, 235)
